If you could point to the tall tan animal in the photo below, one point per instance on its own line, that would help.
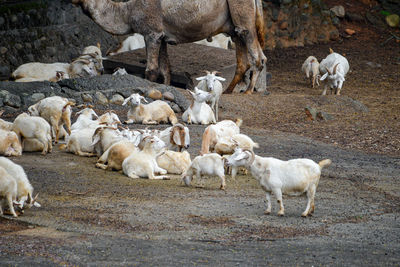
(163, 22)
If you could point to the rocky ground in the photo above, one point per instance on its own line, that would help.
(95, 217)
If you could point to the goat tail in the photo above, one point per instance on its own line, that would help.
(260, 28)
(256, 145)
(330, 50)
(239, 122)
(324, 163)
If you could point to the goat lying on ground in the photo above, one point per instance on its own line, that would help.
(209, 164)
(143, 163)
(113, 157)
(153, 113)
(176, 136)
(10, 144)
(213, 133)
(199, 112)
(174, 162)
(296, 176)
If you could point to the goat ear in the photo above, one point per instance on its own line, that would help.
(241, 156)
(201, 78)
(176, 137)
(144, 99)
(37, 204)
(220, 78)
(126, 101)
(324, 76)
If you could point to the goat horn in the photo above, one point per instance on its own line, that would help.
(253, 156)
(335, 68)
(328, 70)
(35, 198)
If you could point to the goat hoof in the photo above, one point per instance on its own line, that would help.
(281, 213)
(267, 212)
(222, 187)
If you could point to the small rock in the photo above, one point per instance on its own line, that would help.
(12, 100)
(154, 94)
(3, 50)
(101, 98)
(14, 18)
(176, 108)
(311, 113)
(393, 20)
(169, 96)
(117, 99)
(321, 115)
(338, 11)
(18, 46)
(283, 25)
(36, 97)
(86, 97)
(350, 31)
(373, 64)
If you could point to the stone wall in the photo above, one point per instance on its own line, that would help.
(55, 30)
(298, 23)
(45, 31)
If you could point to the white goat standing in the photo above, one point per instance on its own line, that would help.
(152, 113)
(8, 191)
(212, 83)
(55, 110)
(294, 177)
(24, 188)
(334, 69)
(209, 164)
(199, 112)
(311, 69)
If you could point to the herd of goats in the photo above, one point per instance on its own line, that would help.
(151, 153)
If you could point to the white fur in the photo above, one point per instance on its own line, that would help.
(213, 133)
(199, 112)
(294, 177)
(212, 83)
(8, 191)
(24, 188)
(9, 144)
(209, 164)
(143, 163)
(133, 42)
(174, 162)
(152, 113)
(334, 77)
(219, 40)
(310, 68)
(55, 110)
(176, 136)
(33, 127)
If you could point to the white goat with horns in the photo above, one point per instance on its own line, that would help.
(212, 83)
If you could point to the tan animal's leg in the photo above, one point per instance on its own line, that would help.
(223, 184)
(269, 206)
(54, 125)
(153, 43)
(11, 205)
(278, 194)
(165, 69)
(241, 65)
(310, 200)
(45, 145)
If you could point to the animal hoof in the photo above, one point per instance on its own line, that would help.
(281, 213)
(267, 212)
(166, 178)
(222, 187)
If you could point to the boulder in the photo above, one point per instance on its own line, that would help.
(393, 20)
(338, 11)
(154, 94)
(117, 99)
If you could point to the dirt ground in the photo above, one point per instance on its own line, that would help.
(95, 217)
